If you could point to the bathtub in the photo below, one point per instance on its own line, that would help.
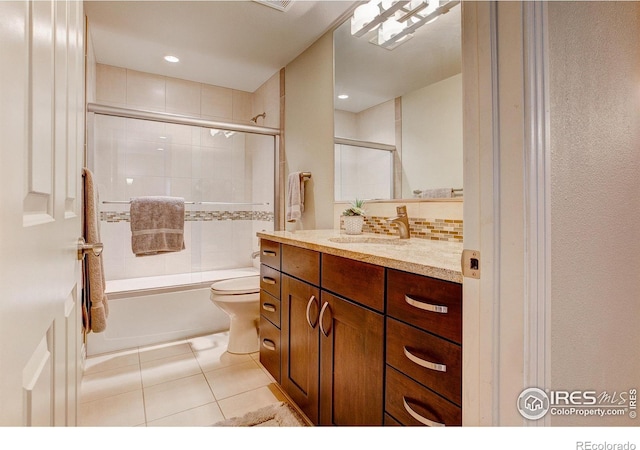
(153, 310)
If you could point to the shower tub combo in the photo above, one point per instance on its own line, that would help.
(227, 176)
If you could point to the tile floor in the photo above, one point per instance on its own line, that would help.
(193, 382)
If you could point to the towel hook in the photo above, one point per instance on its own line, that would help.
(83, 248)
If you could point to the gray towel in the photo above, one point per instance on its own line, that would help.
(97, 308)
(157, 225)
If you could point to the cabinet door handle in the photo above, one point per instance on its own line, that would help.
(269, 307)
(269, 253)
(268, 280)
(418, 417)
(308, 314)
(322, 311)
(269, 344)
(423, 362)
(426, 306)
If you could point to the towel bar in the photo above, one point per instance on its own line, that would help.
(125, 202)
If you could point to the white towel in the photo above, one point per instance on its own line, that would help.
(295, 197)
(157, 225)
(437, 193)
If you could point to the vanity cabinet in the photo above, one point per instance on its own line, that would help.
(362, 344)
(270, 308)
(332, 346)
(424, 353)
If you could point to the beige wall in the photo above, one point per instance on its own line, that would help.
(595, 199)
(308, 130)
(432, 137)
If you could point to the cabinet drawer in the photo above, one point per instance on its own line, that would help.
(270, 348)
(270, 280)
(301, 263)
(270, 308)
(428, 303)
(426, 358)
(270, 253)
(410, 403)
(355, 280)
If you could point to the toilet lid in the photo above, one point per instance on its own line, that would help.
(234, 286)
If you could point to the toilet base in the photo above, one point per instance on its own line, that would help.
(243, 337)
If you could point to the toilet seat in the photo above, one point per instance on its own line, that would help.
(237, 286)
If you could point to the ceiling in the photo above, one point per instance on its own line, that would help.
(240, 44)
(235, 44)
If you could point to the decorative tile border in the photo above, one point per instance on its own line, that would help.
(196, 216)
(433, 229)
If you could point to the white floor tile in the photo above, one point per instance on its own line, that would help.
(236, 379)
(166, 369)
(110, 382)
(241, 404)
(100, 363)
(122, 410)
(201, 416)
(176, 396)
(164, 350)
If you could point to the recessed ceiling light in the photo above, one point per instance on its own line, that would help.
(171, 58)
(343, 96)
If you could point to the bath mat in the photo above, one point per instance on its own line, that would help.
(276, 415)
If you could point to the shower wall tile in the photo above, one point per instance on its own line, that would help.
(146, 90)
(183, 97)
(241, 107)
(111, 85)
(192, 164)
(216, 102)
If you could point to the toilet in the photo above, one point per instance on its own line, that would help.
(240, 299)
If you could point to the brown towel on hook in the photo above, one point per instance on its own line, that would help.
(157, 225)
(98, 306)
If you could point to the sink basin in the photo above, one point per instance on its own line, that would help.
(368, 240)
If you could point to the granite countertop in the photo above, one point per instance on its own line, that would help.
(437, 259)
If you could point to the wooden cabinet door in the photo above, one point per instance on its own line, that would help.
(351, 364)
(300, 344)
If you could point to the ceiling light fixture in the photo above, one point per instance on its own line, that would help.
(171, 59)
(343, 96)
(393, 22)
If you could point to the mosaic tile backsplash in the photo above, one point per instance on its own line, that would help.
(434, 229)
(196, 216)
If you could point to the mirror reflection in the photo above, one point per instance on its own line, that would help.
(398, 112)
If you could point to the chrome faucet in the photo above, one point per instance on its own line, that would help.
(402, 221)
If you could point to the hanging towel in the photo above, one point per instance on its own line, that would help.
(157, 225)
(295, 197)
(437, 193)
(96, 303)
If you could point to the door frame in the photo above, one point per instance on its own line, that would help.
(506, 335)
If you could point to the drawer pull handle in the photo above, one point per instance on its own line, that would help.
(308, 313)
(269, 307)
(426, 306)
(418, 417)
(423, 362)
(324, 308)
(269, 253)
(268, 344)
(268, 280)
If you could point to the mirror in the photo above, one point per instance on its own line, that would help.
(408, 98)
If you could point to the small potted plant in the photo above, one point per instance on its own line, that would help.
(353, 217)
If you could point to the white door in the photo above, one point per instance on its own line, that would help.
(41, 156)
